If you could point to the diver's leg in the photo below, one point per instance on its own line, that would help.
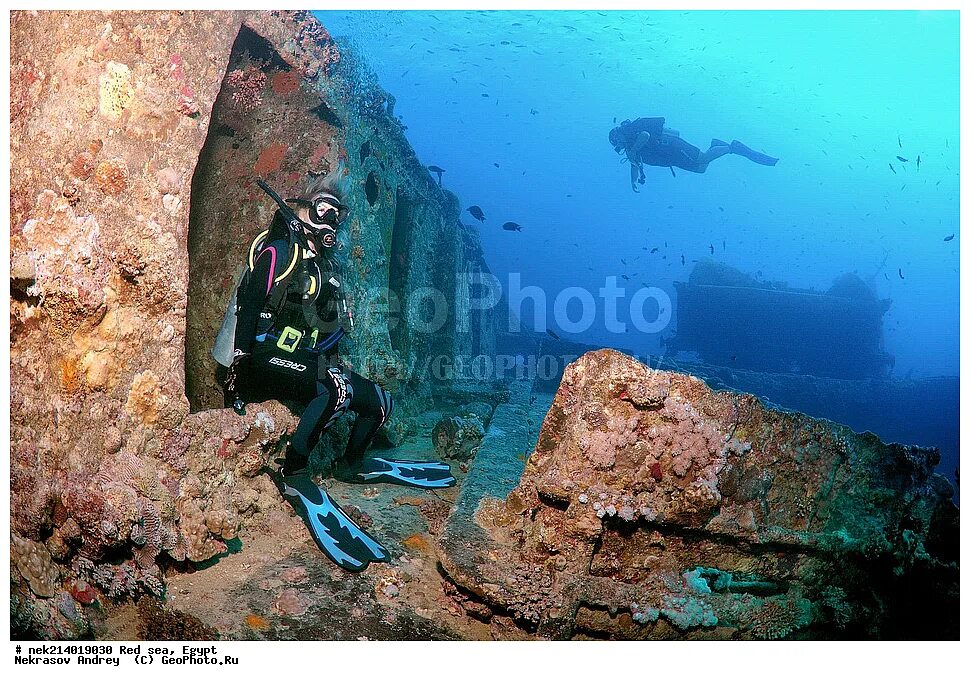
(334, 532)
(373, 406)
(634, 175)
(329, 403)
(715, 151)
(752, 155)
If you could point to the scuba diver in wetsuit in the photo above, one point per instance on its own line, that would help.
(290, 313)
(646, 141)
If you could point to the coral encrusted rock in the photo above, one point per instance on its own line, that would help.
(654, 507)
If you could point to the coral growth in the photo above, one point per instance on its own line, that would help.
(115, 90)
(247, 87)
(111, 176)
(34, 564)
(707, 515)
(158, 623)
(458, 437)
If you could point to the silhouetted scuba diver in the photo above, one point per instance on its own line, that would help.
(285, 322)
(646, 141)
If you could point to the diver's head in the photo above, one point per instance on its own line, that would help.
(320, 209)
(615, 140)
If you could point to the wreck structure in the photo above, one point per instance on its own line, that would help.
(733, 320)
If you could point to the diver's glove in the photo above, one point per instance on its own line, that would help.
(421, 474)
(344, 542)
(241, 364)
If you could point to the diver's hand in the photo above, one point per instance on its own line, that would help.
(241, 364)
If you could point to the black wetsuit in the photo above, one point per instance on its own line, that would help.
(288, 321)
(662, 150)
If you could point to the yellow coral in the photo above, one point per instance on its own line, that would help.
(116, 90)
(145, 399)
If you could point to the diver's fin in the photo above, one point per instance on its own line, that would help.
(715, 142)
(423, 474)
(752, 155)
(334, 532)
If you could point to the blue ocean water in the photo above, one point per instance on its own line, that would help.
(517, 107)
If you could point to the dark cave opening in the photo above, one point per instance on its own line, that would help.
(327, 115)
(258, 48)
(372, 188)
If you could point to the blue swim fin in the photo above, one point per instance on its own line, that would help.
(422, 474)
(335, 533)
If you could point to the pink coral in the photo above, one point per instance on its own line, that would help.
(248, 87)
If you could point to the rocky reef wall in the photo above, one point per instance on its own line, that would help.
(136, 139)
(654, 507)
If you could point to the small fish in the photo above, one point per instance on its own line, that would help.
(476, 213)
(892, 169)
(712, 249)
(553, 334)
(949, 238)
(512, 227)
(533, 112)
(899, 142)
(723, 245)
(496, 165)
(917, 162)
(901, 273)
(437, 171)
(654, 250)
(672, 171)
(721, 208)
(623, 276)
(903, 160)
(683, 260)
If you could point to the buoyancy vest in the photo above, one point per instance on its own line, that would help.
(305, 307)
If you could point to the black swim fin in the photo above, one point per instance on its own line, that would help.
(372, 469)
(334, 532)
(751, 154)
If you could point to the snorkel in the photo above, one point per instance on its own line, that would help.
(293, 223)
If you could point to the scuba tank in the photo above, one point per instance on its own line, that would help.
(224, 346)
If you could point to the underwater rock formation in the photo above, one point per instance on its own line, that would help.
(135, 141)
(654, 507)
(458, 437)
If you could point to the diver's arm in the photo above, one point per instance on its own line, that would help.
(250, 300)
(639, 144)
